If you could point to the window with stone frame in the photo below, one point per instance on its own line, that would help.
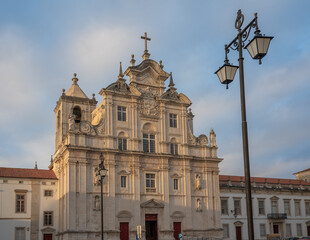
(121, 113)
(261, 206)
(48, 193)
(20, 233)
(174, 147)
(274, 205)
(122, 144)
(150, 182)
(226, 230)
(297, 207)
(262, 230)
(299, 229)
(173, 120)
(48, 218)
(237, 206)
(20, 202)
(287, 207)
(148, 143)
(288, 230)
(175, 184)
(307, 207)
(123, 181)
(224, 206)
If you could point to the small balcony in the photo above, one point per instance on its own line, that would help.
(276, 215)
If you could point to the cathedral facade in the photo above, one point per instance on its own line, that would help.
(159, 174)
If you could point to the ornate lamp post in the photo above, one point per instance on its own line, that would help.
(257, 48)
(101, 173)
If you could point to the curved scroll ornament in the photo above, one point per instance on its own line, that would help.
(239, 20)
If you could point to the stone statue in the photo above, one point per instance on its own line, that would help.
(97, 203)
(212, 139)
(197, 182)
(71, 122)
(198, 207)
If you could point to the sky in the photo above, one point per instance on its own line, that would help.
(42, 43)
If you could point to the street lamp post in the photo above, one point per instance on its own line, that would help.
(101, 173)
(257, 48)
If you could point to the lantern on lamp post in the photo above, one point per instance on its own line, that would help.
(257, 48)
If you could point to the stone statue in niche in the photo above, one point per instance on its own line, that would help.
(198, 205)
(71, 122)
(97, 203)
(212, 138)
(197, 182)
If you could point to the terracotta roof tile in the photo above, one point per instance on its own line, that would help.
(308, 169)
(27, 173)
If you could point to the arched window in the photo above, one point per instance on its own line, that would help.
(77, 114)
(174, 147)
(122, 141)
(148, 138)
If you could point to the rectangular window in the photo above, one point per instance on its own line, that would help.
(307, 207)
(123, 181)
(122, 144)
(226, 230)
(287, 207)
(173, 120)
(48, 218)
(297, 207)
(121, 113)
(48, 193)
(20, 233)
(261, 207)
(148, 143)
(150, 182)
(5, 181)
(175, 184)
(262, 230)
(20, 202)
(174, 148)
(274, 206)
(288, 230)
(21, 182)
(224, 206)
(237, 206)
(299, 229)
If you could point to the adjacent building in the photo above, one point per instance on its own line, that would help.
(28, 204)
(279, 206)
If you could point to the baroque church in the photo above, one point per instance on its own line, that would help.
(159, 174)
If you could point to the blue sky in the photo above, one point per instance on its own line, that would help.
(42, 43)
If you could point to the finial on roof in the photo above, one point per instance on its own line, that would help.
(63, 91)
(132, 61)
(51, 158)
(120, 75)
(171, 84)
(75, 79)
(93, 96)
(36, 165)
(161, 64)
(146, 54)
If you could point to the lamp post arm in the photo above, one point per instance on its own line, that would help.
(253, 23)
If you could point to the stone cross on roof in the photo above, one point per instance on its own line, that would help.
(146, 55)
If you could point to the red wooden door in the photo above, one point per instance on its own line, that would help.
(308, 230)
(48, 236)
(238, 233)
(275, 228)
(177, 230)
(124, 230)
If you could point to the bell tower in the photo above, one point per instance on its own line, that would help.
(72, 107)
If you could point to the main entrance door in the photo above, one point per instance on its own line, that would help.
(177, 230)
(48, 236)
(238, 233)
(275, 228)
(151, 226)
(124, 230)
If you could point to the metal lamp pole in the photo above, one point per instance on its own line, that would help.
(102, 172)
(257, 48)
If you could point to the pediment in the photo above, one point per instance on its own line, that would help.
(124, 214)
(153, 203)
(48, 230)
(176, 175)
(124, 172)
(177, 214)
